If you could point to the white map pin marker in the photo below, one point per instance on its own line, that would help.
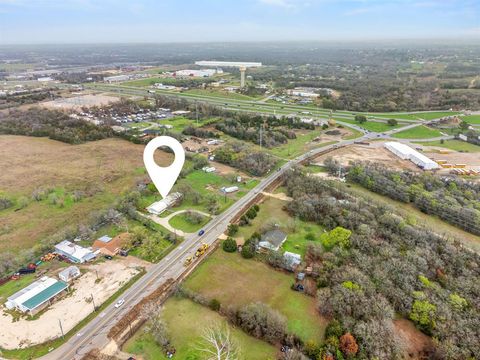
(164, 177)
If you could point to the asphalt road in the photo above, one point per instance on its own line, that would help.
(94, 334)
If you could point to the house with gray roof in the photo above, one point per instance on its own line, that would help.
(272, 240)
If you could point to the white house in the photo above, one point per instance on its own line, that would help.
(229, 190)
(74, 252)
(70, 273)
(160, 206)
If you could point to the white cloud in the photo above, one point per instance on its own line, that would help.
(287, 4)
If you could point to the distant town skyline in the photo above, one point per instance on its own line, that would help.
(121, 21)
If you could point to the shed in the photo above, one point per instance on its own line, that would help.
(70, 273)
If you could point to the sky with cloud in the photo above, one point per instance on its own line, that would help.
(87, 21)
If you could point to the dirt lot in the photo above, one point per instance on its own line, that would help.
(375, 153)
(73, 307)
(105, 168)
(454, 157)
(77, 102)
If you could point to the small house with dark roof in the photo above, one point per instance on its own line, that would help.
(272, 240)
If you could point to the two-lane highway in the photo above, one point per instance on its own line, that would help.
(94, 334)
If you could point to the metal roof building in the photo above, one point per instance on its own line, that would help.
(74, 252)
(407, 153)
(37, 295)
(160, 206)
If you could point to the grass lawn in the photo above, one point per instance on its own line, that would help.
(371, 125)
(185, 321)
(472, 119)
(181, 222)
(415, 116)
(147, 82)
(271, 210)
(237, 282)
(298, 146)
(419, 132)
(456, 145)
(219, 94)
(355, 134)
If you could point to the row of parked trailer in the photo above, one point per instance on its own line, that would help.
(467, 172)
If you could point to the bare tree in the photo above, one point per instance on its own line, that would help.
(217, 343)
(155, 325)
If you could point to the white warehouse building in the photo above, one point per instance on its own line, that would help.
(407, 153)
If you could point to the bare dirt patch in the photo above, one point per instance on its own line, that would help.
(77, 102)
(375, 153)
(72, 308)
(416, 343)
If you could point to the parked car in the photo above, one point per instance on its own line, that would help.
(108, 257)
(120, 303)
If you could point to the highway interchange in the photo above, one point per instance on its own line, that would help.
(94, 334)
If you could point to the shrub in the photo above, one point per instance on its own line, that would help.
(229, 245)
(334, 328)
(338, 236)
(232, 229)
(423, 314)
(5, 203)
(214, 304)
(348, 344)
(262, 322)
(248, 249)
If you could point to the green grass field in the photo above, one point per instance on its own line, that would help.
(472, 119)
(419, 132)
(298, 232)
(181, 222)
(185, 322)
(456, 145)
(237, 282)
(415, 116)
(219, 94)
(208, 185)
(371, 125)
(149, 82)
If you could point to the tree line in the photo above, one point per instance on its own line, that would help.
(388, 266)
(452, 199)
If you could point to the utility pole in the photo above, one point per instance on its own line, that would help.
(61, 329)
(93, 301)
(196, 111)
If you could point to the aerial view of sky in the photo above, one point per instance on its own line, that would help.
(87, 21)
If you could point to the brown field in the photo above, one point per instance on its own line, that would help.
(110, 166)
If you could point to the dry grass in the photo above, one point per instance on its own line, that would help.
(111, 166)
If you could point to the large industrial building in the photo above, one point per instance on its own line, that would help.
(407, 153)
(242, 66)
(37, 295)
